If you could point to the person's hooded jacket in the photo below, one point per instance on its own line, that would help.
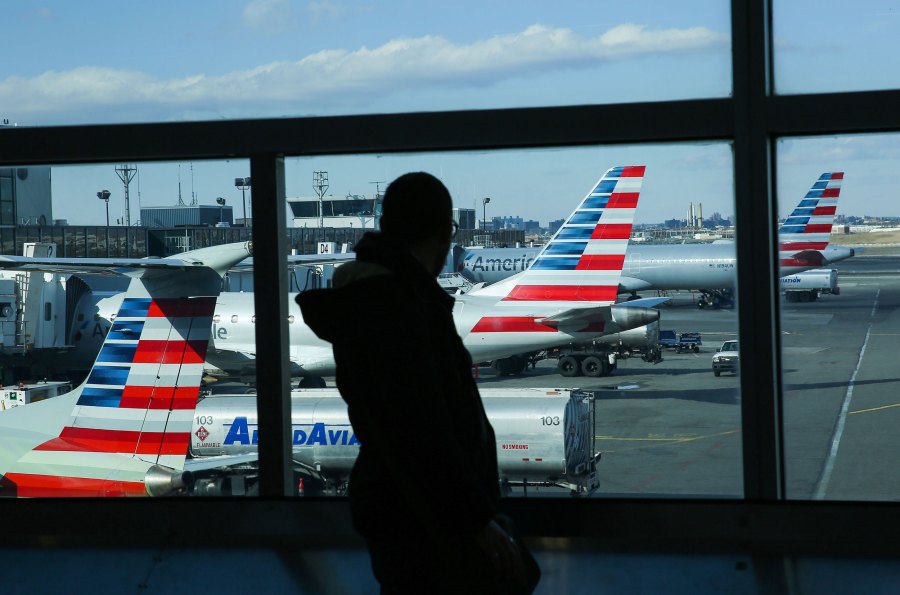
(427, 460)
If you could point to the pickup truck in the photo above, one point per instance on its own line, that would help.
(726, 359)
(688, 342)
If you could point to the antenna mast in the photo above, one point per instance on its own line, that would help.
(320, 185)
(180, 201)
(126, 174)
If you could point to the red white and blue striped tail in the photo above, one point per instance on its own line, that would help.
(809, 225)
(128, 432)
(583, 262)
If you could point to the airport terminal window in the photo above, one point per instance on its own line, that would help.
(838, 340)
(852, 50)
(666, 424)
(385, 58)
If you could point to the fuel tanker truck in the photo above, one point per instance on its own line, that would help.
(545, 437)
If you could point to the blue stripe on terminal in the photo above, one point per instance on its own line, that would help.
(135, 307)
(792, 229)
(117, 353)
(108, 375)
(555, 264)
(595, 202)
(126, 329)
(605, 187)
(566, 248)
(575, 233)
(585, 217)
(100, 397)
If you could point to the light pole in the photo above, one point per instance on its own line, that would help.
(221, 202)
(104, 196)
(484, 202)
(243, 184)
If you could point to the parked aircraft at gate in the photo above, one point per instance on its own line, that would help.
(125, 430)
(803, 243)
(566, 296)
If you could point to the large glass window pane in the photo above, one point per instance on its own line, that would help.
(666, 427)
(134, 361)
(839, 253)
(832, 47)
(263, 58)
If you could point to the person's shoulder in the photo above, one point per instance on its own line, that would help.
(353, 272)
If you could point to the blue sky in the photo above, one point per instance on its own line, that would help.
(170, 61)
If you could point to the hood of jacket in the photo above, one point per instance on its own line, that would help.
(384, 275)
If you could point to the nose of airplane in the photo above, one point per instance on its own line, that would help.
(629, 317)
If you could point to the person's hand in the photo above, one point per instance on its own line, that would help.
(501, 548)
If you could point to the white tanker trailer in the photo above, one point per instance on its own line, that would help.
(545, 437)
(807, 286)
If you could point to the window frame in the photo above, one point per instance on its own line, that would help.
(752, 119)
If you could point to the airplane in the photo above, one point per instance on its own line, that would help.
(567, 296)
(710, 268)
(125, 430)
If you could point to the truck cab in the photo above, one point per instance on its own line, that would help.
(726, 358)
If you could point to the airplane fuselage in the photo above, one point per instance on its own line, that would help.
(647, 267)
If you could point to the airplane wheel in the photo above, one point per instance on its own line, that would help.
(592, 366)
(716, 373)
(568, 366)
(311, 382)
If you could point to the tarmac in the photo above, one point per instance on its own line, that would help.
(672, 429)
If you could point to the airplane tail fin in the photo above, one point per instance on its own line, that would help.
(128, 433)
(583, 262)
(809, 225)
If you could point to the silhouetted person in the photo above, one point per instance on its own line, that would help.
(424, 489)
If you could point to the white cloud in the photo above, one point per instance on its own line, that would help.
(330, 75)
(270, 16)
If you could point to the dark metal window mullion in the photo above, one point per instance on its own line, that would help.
(270, 296)
(757, 253)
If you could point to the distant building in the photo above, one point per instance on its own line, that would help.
(187, 216)
(25, 196)
(508, 223)
(353, 210)
(465, 218)
(532, 226)
(554, 226)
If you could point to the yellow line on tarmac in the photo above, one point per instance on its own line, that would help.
(669, 440)
(875, 408)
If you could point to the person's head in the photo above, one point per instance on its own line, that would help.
(418, 211)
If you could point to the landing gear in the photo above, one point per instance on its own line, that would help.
(510, 366)
(716, 298)
(311, 382)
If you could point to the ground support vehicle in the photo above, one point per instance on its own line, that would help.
(726, 359)
(667, 339)
(809, 285)
(545, 437)
(689, 342)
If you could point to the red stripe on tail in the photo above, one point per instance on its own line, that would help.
(612, 231)
(563, 293)
(27, 485)
(633, 171)
(601, 262)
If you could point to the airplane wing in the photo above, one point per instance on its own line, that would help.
(218, 258)
(304, 259)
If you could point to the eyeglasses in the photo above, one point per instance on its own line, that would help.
(455, 229)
